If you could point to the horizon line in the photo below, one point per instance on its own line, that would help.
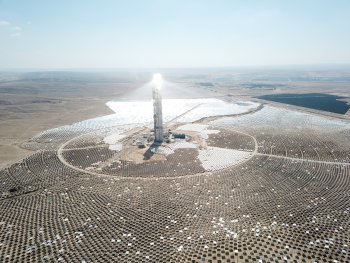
(132, 68)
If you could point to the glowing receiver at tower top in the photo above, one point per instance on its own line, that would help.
(157, 108)
(157, 80)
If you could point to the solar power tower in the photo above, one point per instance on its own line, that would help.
(157, 108)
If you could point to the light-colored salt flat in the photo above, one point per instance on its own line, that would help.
(188, 110)
(202, 129)
(214, 158)
(116, 147)
(215, 107)
(277, 118)
(113, 140)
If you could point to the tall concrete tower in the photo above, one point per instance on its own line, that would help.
(157, 108)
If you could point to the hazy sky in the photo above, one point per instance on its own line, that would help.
(172, 33)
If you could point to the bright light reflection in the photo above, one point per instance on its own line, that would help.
(157, 80)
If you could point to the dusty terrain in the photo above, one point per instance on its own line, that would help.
(286, 200)
(31, 105)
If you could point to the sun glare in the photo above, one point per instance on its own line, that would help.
(157, 79)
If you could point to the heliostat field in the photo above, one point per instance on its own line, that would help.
(254, 183)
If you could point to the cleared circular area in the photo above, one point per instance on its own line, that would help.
(109, 153)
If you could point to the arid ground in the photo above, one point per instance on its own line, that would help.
(258, 181)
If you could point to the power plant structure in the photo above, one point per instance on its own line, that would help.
(157, 136)
(157, 108)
